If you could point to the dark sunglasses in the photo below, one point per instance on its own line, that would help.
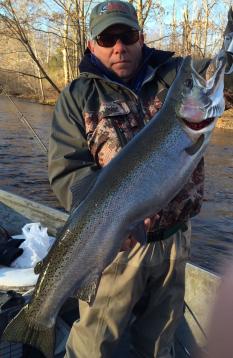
(109, 40)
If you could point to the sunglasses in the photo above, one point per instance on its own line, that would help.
(109, 40)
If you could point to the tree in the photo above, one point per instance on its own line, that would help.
(17, 26)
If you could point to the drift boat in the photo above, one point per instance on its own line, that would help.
(201, 287)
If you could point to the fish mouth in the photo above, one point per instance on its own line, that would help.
(202, 99)
(199, 125)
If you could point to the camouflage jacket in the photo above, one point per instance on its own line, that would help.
(95, 116)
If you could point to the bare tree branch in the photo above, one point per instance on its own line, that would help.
(21, 73)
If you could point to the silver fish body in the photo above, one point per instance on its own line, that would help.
(142, 179)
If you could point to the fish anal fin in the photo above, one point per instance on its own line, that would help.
(21, 331)
(88, 291)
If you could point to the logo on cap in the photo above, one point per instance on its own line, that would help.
(114, 6)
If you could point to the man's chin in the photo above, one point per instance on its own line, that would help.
(125, 75)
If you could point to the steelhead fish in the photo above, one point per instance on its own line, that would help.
(142, 179)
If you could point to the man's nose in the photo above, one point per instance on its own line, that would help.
(119, 46)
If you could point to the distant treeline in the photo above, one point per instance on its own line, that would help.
(42, 42)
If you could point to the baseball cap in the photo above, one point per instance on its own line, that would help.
(109, 13)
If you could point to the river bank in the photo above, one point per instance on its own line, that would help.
(32, 99)
(226, 120)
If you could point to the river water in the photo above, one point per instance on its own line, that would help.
(23, 170)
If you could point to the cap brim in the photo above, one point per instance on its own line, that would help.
(103, 25)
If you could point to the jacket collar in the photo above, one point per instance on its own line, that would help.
(151, 57)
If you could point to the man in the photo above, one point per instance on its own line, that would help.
(122, 84)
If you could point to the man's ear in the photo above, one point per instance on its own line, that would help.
(141, 39)
(90, 45)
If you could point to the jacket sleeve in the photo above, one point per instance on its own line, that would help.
(69, 158)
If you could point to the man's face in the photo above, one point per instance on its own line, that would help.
(122, 59)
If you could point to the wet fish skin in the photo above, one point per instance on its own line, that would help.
(203, 99)
(118, 202)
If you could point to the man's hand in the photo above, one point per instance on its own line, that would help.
(150, 222)
(130, 241)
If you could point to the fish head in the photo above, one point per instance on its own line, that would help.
(202, 101)
(228, 33)
(228, 46)
(228, 43)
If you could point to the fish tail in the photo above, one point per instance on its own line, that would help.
(21, 331)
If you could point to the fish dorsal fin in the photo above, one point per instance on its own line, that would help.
(81, 189)
(88, 290)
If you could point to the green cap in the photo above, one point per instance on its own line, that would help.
(110, 13)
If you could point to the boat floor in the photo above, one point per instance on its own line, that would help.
(184, 343)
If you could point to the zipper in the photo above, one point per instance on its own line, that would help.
(113, 82)
(154, 72)
(120, 133)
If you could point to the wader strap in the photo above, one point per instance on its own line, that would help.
(160, 235)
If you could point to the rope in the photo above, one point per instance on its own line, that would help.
(186, 351)
(24, 120)
(184, 348)
(195, 319)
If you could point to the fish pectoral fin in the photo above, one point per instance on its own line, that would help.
(193, 149)
(20, 330)
(88, 291)
(39, 267)
(81, 189)
(139, 233)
